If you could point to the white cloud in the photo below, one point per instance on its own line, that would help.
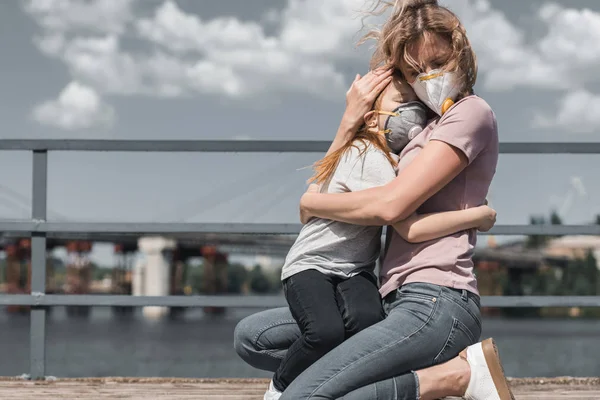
(221, 56)
(578, 112)
(99, 16)
(77, 107)
(50, 44)
(238, 59)
(573, 38)
(182, 54)
(565, 57)
(505, 60)
(563, 60)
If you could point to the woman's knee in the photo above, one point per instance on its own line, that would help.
(262, 339)
(242, 339)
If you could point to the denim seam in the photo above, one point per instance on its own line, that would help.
(342, 307)
(454, 322)
(435, 307)
(465, 308)
(417, 386)
(268, 327)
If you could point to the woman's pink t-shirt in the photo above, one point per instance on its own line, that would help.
(470, 126)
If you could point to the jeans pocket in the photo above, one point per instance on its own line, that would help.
(459, 338)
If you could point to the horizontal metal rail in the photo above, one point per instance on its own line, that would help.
(265, 301)
(40, 229)
(256, 146)
(244, 228)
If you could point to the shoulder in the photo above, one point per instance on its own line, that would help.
(361, 148)
(364, 154)
(473, 110)
(469, 125)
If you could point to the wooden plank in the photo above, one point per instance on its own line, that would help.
(234, 389)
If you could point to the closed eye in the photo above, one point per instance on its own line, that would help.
(411, 75)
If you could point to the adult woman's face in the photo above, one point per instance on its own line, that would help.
(431, 51)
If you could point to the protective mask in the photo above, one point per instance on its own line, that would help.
(437, 89)
(403, 124)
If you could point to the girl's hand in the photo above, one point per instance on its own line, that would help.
(304, 214)
(362, 94)
(487, 218)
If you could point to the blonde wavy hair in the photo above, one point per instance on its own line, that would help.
(411, 20)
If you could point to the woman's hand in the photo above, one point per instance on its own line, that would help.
(362, 94)
(487, 218)
(304, 214)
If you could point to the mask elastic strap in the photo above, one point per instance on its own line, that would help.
(430, 76)
(391, 114)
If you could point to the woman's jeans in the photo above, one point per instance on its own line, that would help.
(425, 325)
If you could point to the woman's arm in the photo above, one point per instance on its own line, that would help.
(421, 228)
(456, 140)
(435, 166)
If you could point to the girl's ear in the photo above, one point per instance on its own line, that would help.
(371, 119)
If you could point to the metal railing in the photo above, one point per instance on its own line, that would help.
(39, 229)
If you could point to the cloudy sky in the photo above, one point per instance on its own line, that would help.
(267, 69)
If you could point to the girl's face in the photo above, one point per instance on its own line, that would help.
(396, 93)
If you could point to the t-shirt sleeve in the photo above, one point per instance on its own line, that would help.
(470, 126)
(369, 169)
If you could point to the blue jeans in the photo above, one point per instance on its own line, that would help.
(425, 325)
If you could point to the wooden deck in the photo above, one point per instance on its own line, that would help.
(238, 389)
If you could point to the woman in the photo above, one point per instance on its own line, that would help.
(425, 347)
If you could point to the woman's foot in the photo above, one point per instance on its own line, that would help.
(487, 381)
(272, 393)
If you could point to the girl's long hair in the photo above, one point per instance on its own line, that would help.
(324, 168)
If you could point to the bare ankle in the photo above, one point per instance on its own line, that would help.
(463, 373)
(448, 379)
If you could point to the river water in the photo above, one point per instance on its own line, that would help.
(199, 345)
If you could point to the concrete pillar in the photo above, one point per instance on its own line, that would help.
(153, 272)
(137, 278)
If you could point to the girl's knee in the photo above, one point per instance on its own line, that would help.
(326, 337)
(362, 320)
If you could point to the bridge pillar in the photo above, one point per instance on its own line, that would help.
(151, 275)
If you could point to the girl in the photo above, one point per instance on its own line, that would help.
(328, 275)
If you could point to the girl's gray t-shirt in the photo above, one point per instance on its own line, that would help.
(338, 248)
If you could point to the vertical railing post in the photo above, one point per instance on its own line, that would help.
(37, 333)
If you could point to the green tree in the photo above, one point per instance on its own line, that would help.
(539, 241)
(598, 219)
(581, 277)
(555, 219)
(236, 277)
(275, 280)
(536, 241)
(195, 277)
(2, 271)
(591, 273)
(99, 273)
(259, 283)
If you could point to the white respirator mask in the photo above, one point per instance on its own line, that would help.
(437, 89)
